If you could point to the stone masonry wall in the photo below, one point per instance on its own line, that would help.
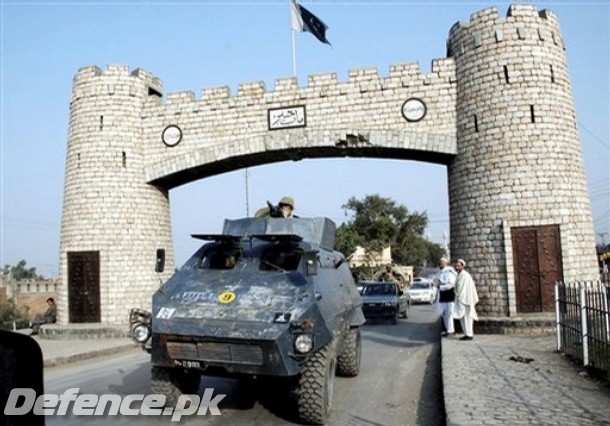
(519, 161)
(221, 126)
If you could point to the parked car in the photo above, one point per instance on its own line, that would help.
(422, 291)
(384, 299)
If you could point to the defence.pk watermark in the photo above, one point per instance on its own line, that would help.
(23, 400)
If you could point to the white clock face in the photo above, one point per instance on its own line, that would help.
(172, 135)
(413, 109)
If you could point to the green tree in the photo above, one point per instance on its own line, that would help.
(377, 222)
(435, 252)
(21, 271)
(10, 312)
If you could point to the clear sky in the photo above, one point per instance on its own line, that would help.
(191, 45)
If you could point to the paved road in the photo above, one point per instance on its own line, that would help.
(399, 383)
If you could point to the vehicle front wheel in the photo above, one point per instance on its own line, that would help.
(172, 383)
(348, 360)
(316, 384)
(394, 318)
(405, 312)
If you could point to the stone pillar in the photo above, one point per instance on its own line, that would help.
(519, 159)
(108, 206)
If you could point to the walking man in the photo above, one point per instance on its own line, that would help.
(465, 300)
(445, 280)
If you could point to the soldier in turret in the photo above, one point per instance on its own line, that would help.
(285, 209)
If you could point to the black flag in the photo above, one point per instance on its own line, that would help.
(307, 21)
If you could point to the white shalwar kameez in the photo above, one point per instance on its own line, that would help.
(445, 281)
(465, 300)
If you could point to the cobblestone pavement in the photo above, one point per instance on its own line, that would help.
(483, 386)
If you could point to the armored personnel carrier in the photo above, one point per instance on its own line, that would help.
(269, 297)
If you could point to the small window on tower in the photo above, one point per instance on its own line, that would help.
(153, 92)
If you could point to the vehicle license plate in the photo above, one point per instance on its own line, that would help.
(187, 363)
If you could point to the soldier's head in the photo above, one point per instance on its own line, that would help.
(286, 205)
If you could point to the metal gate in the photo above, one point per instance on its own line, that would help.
(538, 266)
(84, 286)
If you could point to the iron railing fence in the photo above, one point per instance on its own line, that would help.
(583, 323)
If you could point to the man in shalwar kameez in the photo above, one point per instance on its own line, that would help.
(465, 300)
(445, 280)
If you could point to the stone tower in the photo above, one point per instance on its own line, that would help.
(113, 221)
(519, 163)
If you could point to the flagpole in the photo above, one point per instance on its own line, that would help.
(294, 55)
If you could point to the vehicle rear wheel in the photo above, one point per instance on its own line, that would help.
(316, 384)
(348, 360)
(172, 383)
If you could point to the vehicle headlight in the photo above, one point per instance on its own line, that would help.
(303, 343)
(141, 333)
(388, 304)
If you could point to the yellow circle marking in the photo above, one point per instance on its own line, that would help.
(226, 297)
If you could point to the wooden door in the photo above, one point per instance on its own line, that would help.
(84, 286)
(538, 265)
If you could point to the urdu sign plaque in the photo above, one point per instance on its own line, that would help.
(172, 135)
(414, 109)
(285, 118)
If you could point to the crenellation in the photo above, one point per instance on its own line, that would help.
(523, 11)
(286, 85)
(459, 26)
(87, 72)
(116, 70)
(406, 69)
(253, 90)
(215, 94)
(148, 78)
(522, 24)
(550, 16)
(363, 75)
(322, 79)
(485, 16)
(180, 98)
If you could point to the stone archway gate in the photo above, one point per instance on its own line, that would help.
(497, 111)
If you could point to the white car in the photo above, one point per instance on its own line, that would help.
(422, 291)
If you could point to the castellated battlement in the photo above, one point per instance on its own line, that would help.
(91, 80)
(523, 23)
(117, 79)
(360, 81)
